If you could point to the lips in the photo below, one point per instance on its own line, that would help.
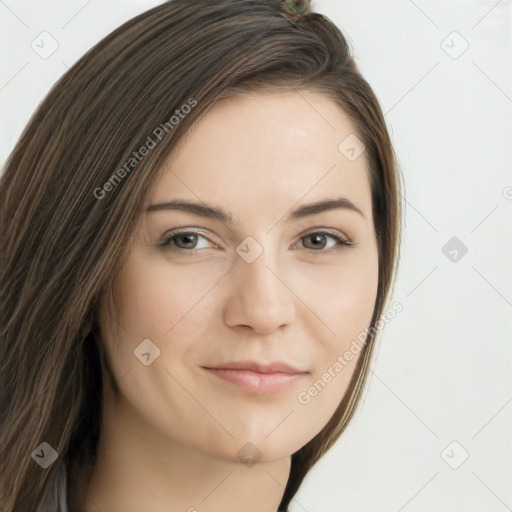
(258, 367)
(258, 378)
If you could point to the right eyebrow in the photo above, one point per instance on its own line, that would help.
(202, 210)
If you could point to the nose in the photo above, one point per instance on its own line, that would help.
(259, 297)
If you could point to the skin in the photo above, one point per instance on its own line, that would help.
(170, 440)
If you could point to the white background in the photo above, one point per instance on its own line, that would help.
(442, 372)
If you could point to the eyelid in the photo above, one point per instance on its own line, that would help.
(328, 231)
(167, 236)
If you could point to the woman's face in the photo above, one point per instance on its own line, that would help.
(233, 338)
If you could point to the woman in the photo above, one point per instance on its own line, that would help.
(200, 221)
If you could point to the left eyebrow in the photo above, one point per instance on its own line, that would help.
(204, 210)
(321, 206)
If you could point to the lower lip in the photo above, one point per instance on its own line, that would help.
(258, 383)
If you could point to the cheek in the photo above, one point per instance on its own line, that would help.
(353, 307)
(342, 297)
(153, 301)
(151, 298)
(346, 308)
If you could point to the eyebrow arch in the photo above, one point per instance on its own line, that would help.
(215, 213)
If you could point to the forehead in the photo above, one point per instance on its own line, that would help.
(267, 150)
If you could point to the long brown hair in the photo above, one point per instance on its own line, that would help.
(66, 231)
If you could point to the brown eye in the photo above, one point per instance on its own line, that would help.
(187, 239)
(184, 240)
(319, 241)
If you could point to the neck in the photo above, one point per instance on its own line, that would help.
(138, 468)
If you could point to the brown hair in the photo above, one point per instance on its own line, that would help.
(62, 246)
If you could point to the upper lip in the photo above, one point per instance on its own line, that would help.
(273, 367)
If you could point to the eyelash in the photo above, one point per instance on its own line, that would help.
(341, 243)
